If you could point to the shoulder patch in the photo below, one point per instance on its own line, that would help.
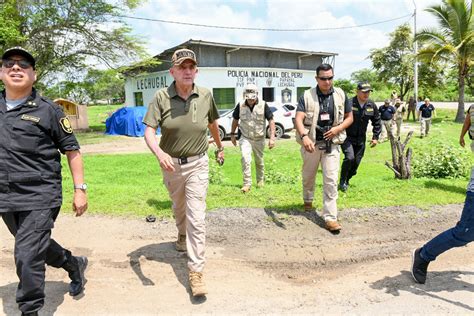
(66, 125)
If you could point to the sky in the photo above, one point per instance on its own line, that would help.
(352, 45)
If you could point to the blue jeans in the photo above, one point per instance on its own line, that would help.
(458, 236)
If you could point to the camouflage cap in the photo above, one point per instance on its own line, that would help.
(251, 91)
(183, 54)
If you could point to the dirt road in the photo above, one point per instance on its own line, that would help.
(260, 261)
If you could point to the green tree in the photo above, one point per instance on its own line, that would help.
(64, 36)
(451, 42)
(367, 75)
(345, 85)
(394, 63)
(105, 85)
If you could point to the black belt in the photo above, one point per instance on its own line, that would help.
(185, 160)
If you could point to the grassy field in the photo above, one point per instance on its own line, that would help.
(132, 184)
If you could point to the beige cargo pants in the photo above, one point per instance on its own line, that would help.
(247, 147)
(425, 124)
(387, 130)
(399, 122)
(330, 167)
(187, 187)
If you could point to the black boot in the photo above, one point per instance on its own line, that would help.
(75, 266)
(29, 314)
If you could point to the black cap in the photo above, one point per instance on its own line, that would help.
(17, 50)
(364, 86)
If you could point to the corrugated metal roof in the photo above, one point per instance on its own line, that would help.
(233, 46)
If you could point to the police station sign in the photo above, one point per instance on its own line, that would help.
(279, 78)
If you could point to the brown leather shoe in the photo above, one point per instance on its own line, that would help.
(333, 226)
(308, 206)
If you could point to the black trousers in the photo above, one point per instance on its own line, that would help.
(353, 152)
(33, 248)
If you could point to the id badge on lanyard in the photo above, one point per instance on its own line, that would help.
(324, 110)
(324, 116)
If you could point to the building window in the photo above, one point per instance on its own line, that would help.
(224, 97)
(300, 91)
(268, 94)
(138, 98)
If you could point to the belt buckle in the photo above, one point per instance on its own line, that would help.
(183, 160)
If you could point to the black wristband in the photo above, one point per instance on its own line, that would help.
(303, 136)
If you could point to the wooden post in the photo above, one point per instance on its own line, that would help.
(401, 157)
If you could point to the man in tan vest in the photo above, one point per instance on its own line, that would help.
(400, 110)
(322, 116)
(252, 113)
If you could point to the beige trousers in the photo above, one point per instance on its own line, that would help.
(330, 167)
(425, 124)
(247, 146)
(399, 126)
(387, 129)
(187, 187)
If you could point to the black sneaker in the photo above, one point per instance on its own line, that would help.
(419, 267)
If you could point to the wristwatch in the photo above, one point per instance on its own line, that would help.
(303, 136)
(220, 149)
(82, 186)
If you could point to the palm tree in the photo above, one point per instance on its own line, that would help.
(452, 42)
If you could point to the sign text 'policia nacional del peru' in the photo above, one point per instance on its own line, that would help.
(283, 78)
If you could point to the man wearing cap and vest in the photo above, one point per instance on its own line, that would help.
(387, 112)
(185, 112)
(322, 116)
(458, 236)
(33, 133)
(400, 111)
(425, 113)
(363, 111)
(252, 113)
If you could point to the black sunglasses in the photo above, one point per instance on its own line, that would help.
(23, 63)
(325, 78)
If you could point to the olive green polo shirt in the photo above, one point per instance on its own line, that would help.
(183, 123)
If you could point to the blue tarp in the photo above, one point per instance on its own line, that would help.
(126, 121)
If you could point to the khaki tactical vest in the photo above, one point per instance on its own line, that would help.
(252, 123)
(311, 102)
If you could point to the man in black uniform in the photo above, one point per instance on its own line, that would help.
(33, 132)
(363, 110)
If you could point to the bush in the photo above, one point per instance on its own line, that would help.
(442, 161)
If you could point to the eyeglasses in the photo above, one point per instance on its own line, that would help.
(325, 78)
(23, 63)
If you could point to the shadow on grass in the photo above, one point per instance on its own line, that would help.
(430, 184)
(445, 281)
(159, 205)
(166, 253)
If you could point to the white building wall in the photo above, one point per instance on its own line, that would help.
(232, 77)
